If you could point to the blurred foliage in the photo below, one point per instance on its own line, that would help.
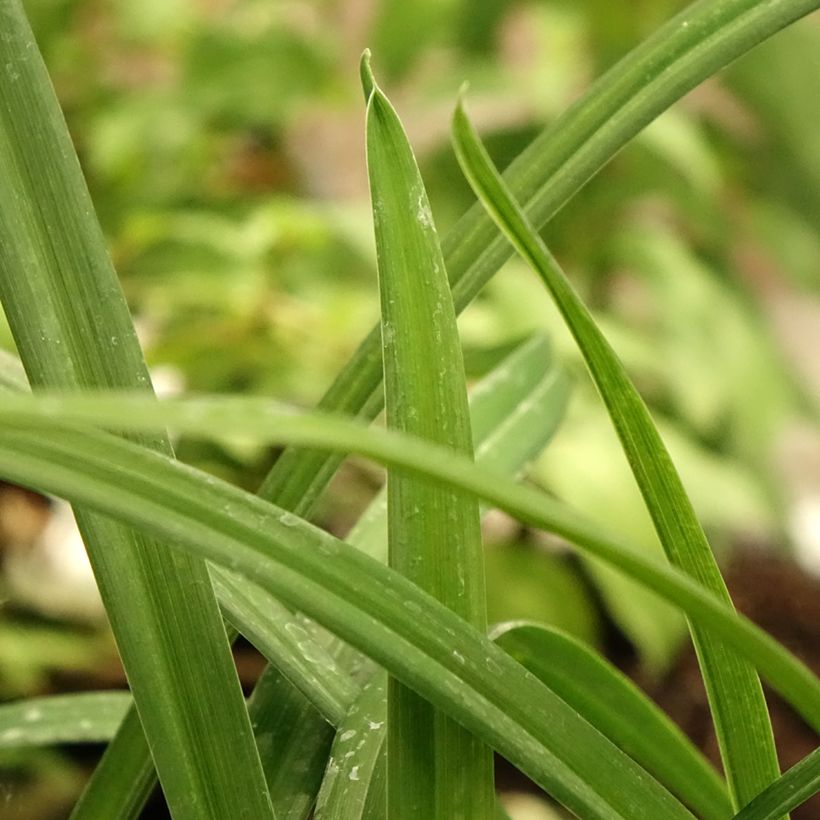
(222, 140)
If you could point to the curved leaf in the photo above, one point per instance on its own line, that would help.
(209, 417)
(417, 639)
(690, 47)
(739, 710)
(612, 703)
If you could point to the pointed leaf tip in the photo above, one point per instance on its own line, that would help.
(366, 75)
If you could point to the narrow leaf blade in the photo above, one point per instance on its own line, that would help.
(435, 768)
(735, 695)
(381, 613)
(613, 704)
(72, 328)
(689, 48)
(788, 792)
(90, 717)
(354, 784)
(208, 417)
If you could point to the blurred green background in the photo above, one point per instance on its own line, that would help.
(223, 145)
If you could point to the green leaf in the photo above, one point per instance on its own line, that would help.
(514, 414)
(123, 779)
(514, 411)
(692, 46)
(72, 328)
(354, 784)
(381, 613)
(435, 768)
(267, 420)
(789, 791)
(294, 741)
(613, 704)
(90, 717)
(735, 695)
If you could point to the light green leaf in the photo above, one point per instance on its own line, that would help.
(277, 634)
(435, 768)
(735, 695)
(71, 325)
(612, 703)
(312, 681)
(788, 792)
(90, 717)
(514, 418)
(354, 784)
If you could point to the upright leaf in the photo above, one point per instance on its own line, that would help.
(73, 330)
(735, 695)
(514, 412)
(435, 768)
(294, 742)
(354, 784)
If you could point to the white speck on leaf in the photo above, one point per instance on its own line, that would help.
(289, 520)
(423, 215)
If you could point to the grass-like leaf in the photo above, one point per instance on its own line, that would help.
(690, 47)
(514, 411)
(262, 418)
(354, 783)
(612, 703)
(788, 792)
(435, 768)
(736, 698)
(90, 717)
(313, 694)
(73, 330)
(417, 639)
(123, 779)
(294, 741)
